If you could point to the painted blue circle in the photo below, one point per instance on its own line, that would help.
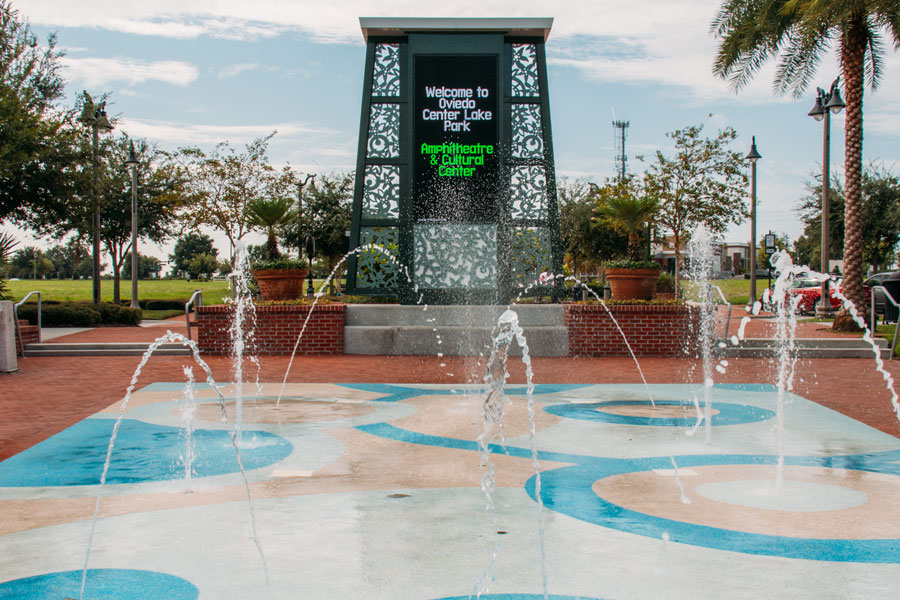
(105, 584)
(569, 490)
(728, 413)
(142, 452)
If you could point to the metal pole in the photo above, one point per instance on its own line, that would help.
(95, 217)
(134, 245)
(824, 307)
(752, 233)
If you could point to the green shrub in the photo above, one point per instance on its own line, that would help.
(666, 283)
(80, 314)
(169, 304)
(281, 263)
(632, 264)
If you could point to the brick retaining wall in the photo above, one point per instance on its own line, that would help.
(31, 334)
(651, 330)
(277, 328)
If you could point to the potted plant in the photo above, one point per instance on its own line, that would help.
(278, 277)
(634, 278)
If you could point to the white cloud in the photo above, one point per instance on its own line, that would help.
(100, 71)
(235, 70)
(174, 134)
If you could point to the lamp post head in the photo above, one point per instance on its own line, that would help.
(835, 103)
(818, 110)
(753, 155)
(132, 161)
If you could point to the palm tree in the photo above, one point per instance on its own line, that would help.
(797, 33)
(270, 215)
(629, 214)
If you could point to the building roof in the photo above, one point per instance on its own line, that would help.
(398, 26)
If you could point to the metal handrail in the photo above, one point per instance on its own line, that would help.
(887, 297)
(726, 302)
(198, 295)
(16, 317)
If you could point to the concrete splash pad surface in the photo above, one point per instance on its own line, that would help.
(372, 491)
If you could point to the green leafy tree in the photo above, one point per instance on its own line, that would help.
(71, 259)
(148, 266)
(326, 216)
(187, 247)
(702, 185)
(221, 185)
(31, 263)
(38, 153)
(202, 266)
(586, 241)
(880, 217)
(796, 33)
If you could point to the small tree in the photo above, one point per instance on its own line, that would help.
(187, 247)
(586, 241)
(622, 206)
(703, 185)
(203, 266)
(271, 215)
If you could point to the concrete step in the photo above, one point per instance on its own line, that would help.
(806, 348)
(391, 329)
(103, 349)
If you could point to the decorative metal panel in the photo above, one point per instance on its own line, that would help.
(531, 252)
(381, 197)
(384, 131)
(527, 140)
(455, 256)
(524, 70)
(386, 74)
(374, 268)
(528, 192)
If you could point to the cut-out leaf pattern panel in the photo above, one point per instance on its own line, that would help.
(455, 256)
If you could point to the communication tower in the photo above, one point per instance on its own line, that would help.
(621, 159)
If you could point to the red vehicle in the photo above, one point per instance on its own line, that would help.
(809, 292)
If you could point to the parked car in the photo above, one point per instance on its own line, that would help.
(810, 291)
(761, 274)
(876, 280)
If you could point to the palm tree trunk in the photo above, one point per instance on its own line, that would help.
(853, 51)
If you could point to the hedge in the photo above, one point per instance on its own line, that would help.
(79, 314)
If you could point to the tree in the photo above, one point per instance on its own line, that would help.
(148, 266)
(187, 247)
(38, 156)
(203, 265)
(622, 205)
(585, 241)
(326, 216)
(703, 185)
(880, 217)
(220, 186)
(798, 32)
(763, 260)
(31, 263)
(271, 215)
(72, 259)
(7, 243)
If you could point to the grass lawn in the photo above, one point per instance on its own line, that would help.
(157, 289)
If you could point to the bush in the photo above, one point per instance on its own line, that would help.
(168, 304)
(79, 314)
(666, 283)
(632, 264)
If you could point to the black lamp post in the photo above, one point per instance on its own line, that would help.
(94, 116)
(132, 163)
(826, 104)
(753, 156)
(310, 250)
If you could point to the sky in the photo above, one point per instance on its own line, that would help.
(198, 72)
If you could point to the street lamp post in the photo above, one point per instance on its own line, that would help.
(132, 163)
(826, 104)
(753, 156)
(94, 116)
(310, 250)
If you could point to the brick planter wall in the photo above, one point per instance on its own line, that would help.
(277, 328)
(30, 335)
(651, 330)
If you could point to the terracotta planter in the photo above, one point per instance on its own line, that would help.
(632, 284)
(280, 284)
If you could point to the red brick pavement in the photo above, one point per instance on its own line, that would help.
(52, 393)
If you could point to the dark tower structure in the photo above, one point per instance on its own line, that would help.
(454, 175)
